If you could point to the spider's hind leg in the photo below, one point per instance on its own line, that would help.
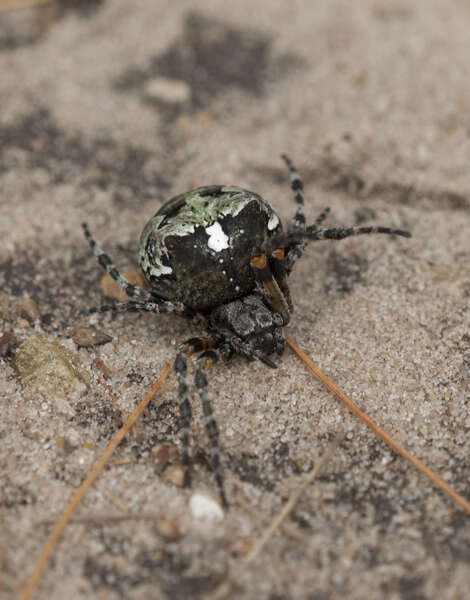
(134, 291)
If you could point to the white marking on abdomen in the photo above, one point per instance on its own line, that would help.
(273, 222)
(218, 240)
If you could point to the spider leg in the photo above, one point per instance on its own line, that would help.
(207, 358)
(295, 252)
(180, 367)
(286, 239)
(297, 187)
(279, 340)
(246, 349)
(134, 291)
(298, 223)
(344, 232)
(187, 349)
(157, 307)
(321, 217)
(278, 268)
(269, 286)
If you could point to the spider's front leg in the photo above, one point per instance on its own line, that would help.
(205, 362)
(295, 240)
(209, 354)
(145, 301)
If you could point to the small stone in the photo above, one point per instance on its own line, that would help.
(240, 546)
(88, 336)
(64, 444)
(174, 474)
(7, 342)
(204, 507)
(171, 91)
(112, 289)
(28, 309)
(99, 364)
(48, 370)
(168, 529)
(4, 305)
(161, 455)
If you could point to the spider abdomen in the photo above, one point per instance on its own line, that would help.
(197, 247)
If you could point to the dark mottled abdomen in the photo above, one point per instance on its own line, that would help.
(197, 248)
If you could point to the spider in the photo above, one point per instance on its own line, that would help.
(219, 252)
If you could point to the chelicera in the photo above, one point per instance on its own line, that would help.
(220, 251)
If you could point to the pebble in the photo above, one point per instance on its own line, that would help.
(171, 91)
(7, 342)
(240, 546)
(204, 507)
(168, 529)
(174, 474)
(28, 310)
(161, 456)
(48, 370)
(85, 337)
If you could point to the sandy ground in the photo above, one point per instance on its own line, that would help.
(109, 108)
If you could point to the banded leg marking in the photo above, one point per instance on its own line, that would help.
(134, 291)
(344, 232)
(211, 425)
(297, 187)
(185, 411)
(311, 234)
(296, 251)
(195, 345)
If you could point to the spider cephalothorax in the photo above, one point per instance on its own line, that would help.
(220, 251)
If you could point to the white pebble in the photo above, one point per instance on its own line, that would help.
(204, 507)
(172, 91)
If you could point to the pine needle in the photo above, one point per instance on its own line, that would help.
(84, 487)
(436, 479)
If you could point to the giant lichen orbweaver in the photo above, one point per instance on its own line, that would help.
(220, 251)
